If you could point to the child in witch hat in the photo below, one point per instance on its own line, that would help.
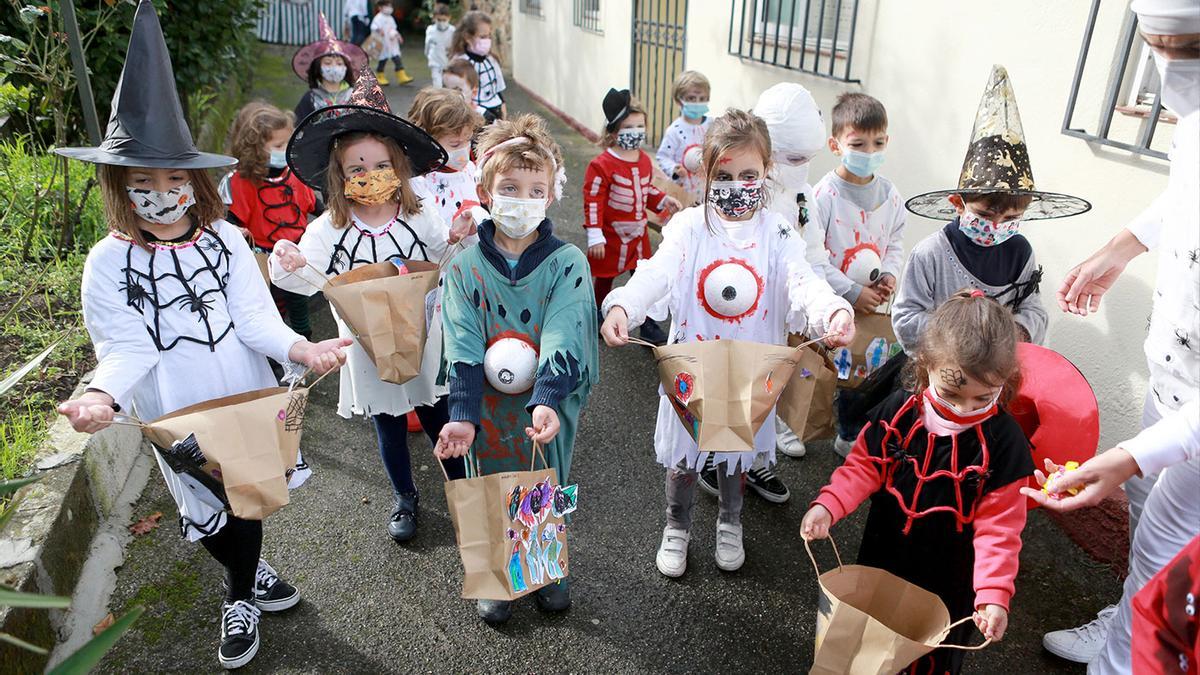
(981, 246)
(618, 195)
(328, 66)
(364, 158)
(179, 314)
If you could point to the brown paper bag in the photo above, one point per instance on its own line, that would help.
(251, 441)
(797, 400)
(872, 621)
(261, 259)
(386, 312)
(874, 343)
(723, 390)
(820, 423)
(510, 530)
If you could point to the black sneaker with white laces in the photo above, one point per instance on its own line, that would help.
(768, 486)
(239, 634)
(708, 477)
(271, 593)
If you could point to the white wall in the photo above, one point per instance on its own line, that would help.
(928, 61)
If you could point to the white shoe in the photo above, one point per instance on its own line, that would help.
(672, 552)
(1084, 643)
(843, 447)
(730, 553)
(786, 440)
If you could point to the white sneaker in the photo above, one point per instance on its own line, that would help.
(843, 447)
(672, 552)
(730, 553)
(786, 440)
(1084, 643)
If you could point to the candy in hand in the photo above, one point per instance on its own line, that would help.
(1059, 473)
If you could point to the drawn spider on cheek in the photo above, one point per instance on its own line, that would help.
(952, 377)
(1183, 339)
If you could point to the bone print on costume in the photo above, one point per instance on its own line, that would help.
(617, 196)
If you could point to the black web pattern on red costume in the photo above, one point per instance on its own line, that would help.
(365, 249)
(279, 207)
(968, 480)
(202, 288)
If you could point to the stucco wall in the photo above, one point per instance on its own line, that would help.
(928, 61)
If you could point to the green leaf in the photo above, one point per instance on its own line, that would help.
(30, 14)
(13, 598)
(27, 646)
(8, 511)
(89, 655)
(12, 380)
(8, 487)
(19, 45)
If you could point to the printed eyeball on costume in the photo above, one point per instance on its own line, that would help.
(692, 157)
(510, 365)
(863, 267)
(730, 289)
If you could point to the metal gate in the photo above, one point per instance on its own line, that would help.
(659, 36)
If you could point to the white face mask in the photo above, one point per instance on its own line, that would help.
(793, 177)
(516, 218)
(458, 158)
(1180, 84)
(278, 159)
(334, 73)
(164, 208)
(443, 25)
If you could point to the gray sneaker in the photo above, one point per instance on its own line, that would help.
(1084, 643)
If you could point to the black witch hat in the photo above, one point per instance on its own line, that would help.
(366, 111)
(998, 161)
(616, 107)
(147, 127)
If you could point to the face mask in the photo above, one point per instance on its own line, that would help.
(631, 139)
(792, 177)
(278, 159)
(695, 111)
(458, 158)
(984, 232)
(516, 218)
(862, 164)
(443, 25)
(482, 46)
(373, 187)
(164, 208)
(943, 419)
(1180, 84)
(387, 10)
(735, 198)
(334, 73)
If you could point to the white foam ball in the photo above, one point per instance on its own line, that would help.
(510, 365)
(863, 267)
(730, 289)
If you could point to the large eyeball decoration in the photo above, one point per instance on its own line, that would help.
(510, 365)
(862, 266)
(730, 289)
(691, 158)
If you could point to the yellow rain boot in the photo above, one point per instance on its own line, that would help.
(381, 78)
(403, 77)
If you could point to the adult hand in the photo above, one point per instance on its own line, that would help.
(596, 251)
(89, 413)
(992, 621)
(1095, 479)
(454, 440)
(1088, 281)
(816, 523)
(615, 329)
(545, 425)
(289, 256)
(868, 299)
(322, 356)
(841, 329)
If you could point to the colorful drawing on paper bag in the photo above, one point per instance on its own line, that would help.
(843, 362)
(877, 354)
(683, 387)
(860, 371)
(895, 349)
(537, 548)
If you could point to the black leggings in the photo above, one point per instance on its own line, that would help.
(396, 61)
(237, 546)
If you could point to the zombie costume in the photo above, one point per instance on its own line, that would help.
(946, 511)
(452, 193)
(1166, 634)
(677, 140)
(617, 196)
(519, 333)
(745, 280)
(857, 220)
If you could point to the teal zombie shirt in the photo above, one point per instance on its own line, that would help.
(545, 300)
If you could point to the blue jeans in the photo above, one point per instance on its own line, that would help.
(845, 400)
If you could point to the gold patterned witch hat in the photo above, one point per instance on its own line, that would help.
(998, 161)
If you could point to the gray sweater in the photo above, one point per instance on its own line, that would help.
(934, 273)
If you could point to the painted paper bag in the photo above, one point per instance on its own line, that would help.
(386, 312)
(871, 622)
(874, 343)
(723, 390)
(250, 441)
(511, 531)
(797, 400)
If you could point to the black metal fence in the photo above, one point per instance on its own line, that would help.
(586, 15)
(811, 36)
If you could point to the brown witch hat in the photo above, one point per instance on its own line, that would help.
(998, 161)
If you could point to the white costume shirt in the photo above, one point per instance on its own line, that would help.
(784, 200)
(437, 45)
(453, 193)
(385, 26)
(790, 298)
(676, 141)
(332, 251)
(844, 228)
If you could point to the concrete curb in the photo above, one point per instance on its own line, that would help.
(45, 546)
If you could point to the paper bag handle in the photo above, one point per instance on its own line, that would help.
(638, 341)
(537, 452)
(943, 645)
(808, 547)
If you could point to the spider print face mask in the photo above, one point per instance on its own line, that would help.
(373, 187)
(164, 208)
(735, 198)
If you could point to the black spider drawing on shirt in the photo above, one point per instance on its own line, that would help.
(367, 250)
(160, 285)
(1193, 257)
(1183, 339)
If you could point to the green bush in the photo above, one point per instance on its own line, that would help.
(31, 198)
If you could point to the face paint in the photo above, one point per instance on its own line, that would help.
(952, 377)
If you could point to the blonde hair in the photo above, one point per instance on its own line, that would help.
(443, 111)
(335, 197)
(609, 138)
(689, 79)
(469, 25)
(118, 209)
(977, 334)
(532, 148)
(248, 135)
(734, 130)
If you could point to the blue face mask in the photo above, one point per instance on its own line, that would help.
(278, 159)
(862, 164)
(695, 111)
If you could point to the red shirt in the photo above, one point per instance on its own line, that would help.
(273, 209)
(616, 197)
(1166, 617)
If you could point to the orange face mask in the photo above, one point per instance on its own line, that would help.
(373, 187)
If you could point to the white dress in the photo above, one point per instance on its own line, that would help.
(332, 251)
(680, 137)
(385, 26)
(178, 325)
(790, 297)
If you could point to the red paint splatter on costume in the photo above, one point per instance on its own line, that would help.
(859, 245)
